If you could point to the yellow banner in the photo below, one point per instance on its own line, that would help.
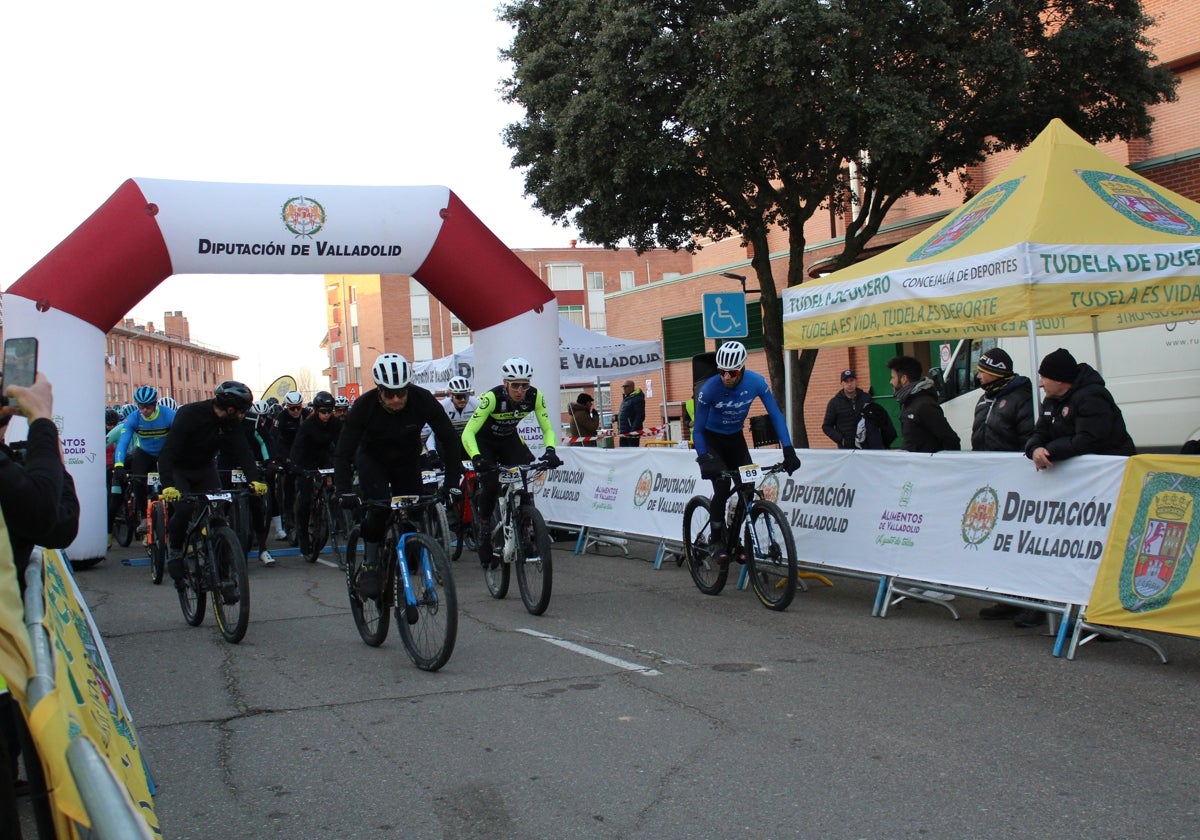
(83, 703)
(1145, 579)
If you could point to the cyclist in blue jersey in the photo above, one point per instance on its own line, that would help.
(150, 423)
(722, 404)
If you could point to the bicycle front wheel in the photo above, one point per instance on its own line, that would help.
(701, 555)
(535, 566)
(317, 528)
(158, 542)
(231, 600)
(437, 527)
(371, 615)
(192, 597)
(126, 521)
(771, 555)
(428, 628)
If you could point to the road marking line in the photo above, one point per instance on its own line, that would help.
(594, 654)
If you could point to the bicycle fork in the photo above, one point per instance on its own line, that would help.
(410, 596)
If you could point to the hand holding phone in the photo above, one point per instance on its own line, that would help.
(20, 380)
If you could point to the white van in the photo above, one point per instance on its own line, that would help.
(1153, 373)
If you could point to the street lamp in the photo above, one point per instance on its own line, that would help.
(741, 278)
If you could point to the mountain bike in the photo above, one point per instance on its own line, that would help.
(756, 533)
(326, 520)
(156, 538)
(214, 563)
(521, 539)
(128, 516)
(413, 565)
(460, 514)
(240, 519)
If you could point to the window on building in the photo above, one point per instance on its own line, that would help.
(565, 278)
(599, 321)
(420, 328)
(627, 278)
(354, 335)
(458, 328)
(595, 281)
(670, 275)
(353, 293)
(683, 336)
(574, 314)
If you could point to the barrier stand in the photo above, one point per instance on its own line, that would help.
(1097, 631)
(589, 537)
(668, 549)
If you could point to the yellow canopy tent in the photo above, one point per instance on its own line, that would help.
(1065, 240)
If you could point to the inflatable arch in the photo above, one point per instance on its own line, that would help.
(151, 229)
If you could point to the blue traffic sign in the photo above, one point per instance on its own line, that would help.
(725, 315)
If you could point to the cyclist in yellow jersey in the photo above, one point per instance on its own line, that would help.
(491, 438)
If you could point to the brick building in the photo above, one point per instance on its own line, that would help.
(167, 358)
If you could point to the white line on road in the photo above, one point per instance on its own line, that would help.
(594, 654)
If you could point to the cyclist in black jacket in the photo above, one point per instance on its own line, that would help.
(313, 449)
(382, 438)
(187, 463)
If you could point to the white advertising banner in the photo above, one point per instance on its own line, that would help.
(985, 521)
(273, 228)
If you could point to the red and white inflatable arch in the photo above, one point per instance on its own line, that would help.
(151, 229)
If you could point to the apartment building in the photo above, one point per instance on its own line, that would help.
(139, 354)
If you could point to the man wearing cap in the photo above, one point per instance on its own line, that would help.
(1079, 416)
(1004, 413)
(632, 414)
(585, 421)
(844, 422)
(1003, 422)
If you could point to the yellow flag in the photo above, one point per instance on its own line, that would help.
(1145, 578)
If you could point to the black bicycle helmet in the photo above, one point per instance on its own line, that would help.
(323, 399)
(233, 394)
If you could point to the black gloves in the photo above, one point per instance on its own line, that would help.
(551, 459)
(483, 463)
(350, 501)
(448, 495)
(791, 462)
(118, 476)
(711, 466)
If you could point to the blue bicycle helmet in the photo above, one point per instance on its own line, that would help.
(145, 395)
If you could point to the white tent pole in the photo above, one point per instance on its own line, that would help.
(1033, 365)
(662, 379)
(1096, 343)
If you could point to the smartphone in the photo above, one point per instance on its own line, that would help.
(20, 362)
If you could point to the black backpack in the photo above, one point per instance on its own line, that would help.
(874, 413)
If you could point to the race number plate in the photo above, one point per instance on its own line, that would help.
(399, 502)
(218, 497)
(510, 476)
(152, 480)
(237, 476)
(750, 473)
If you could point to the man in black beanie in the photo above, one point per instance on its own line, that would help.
(1079, 416)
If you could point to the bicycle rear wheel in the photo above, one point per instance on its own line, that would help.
(335, 523)
(371, 615)
(435, 525)
(497, 579)
(771, 555)
(317, 529)
(192, 597)
(158, 541)
(701, 554)
(429, 629)
(240, 521)
(231, 599)
(535, 566)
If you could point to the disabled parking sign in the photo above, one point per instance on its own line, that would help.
(725, 315)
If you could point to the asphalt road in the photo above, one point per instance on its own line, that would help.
(668, 714)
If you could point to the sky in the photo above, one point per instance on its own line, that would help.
(354, 93)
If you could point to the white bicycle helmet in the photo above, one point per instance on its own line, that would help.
(517, 368)
(261, 408)
(459, 385)
(341, 402)
(731, 356)
(169, 402)
(391, 370)
(293, 398)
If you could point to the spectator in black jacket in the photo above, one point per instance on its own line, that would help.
(37, 496)
(845, 424)
(1079, 416)
(1004, 413)
(923, 425)
(1003, 422)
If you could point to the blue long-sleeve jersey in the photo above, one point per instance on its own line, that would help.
(723, 410)
(152, 433)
